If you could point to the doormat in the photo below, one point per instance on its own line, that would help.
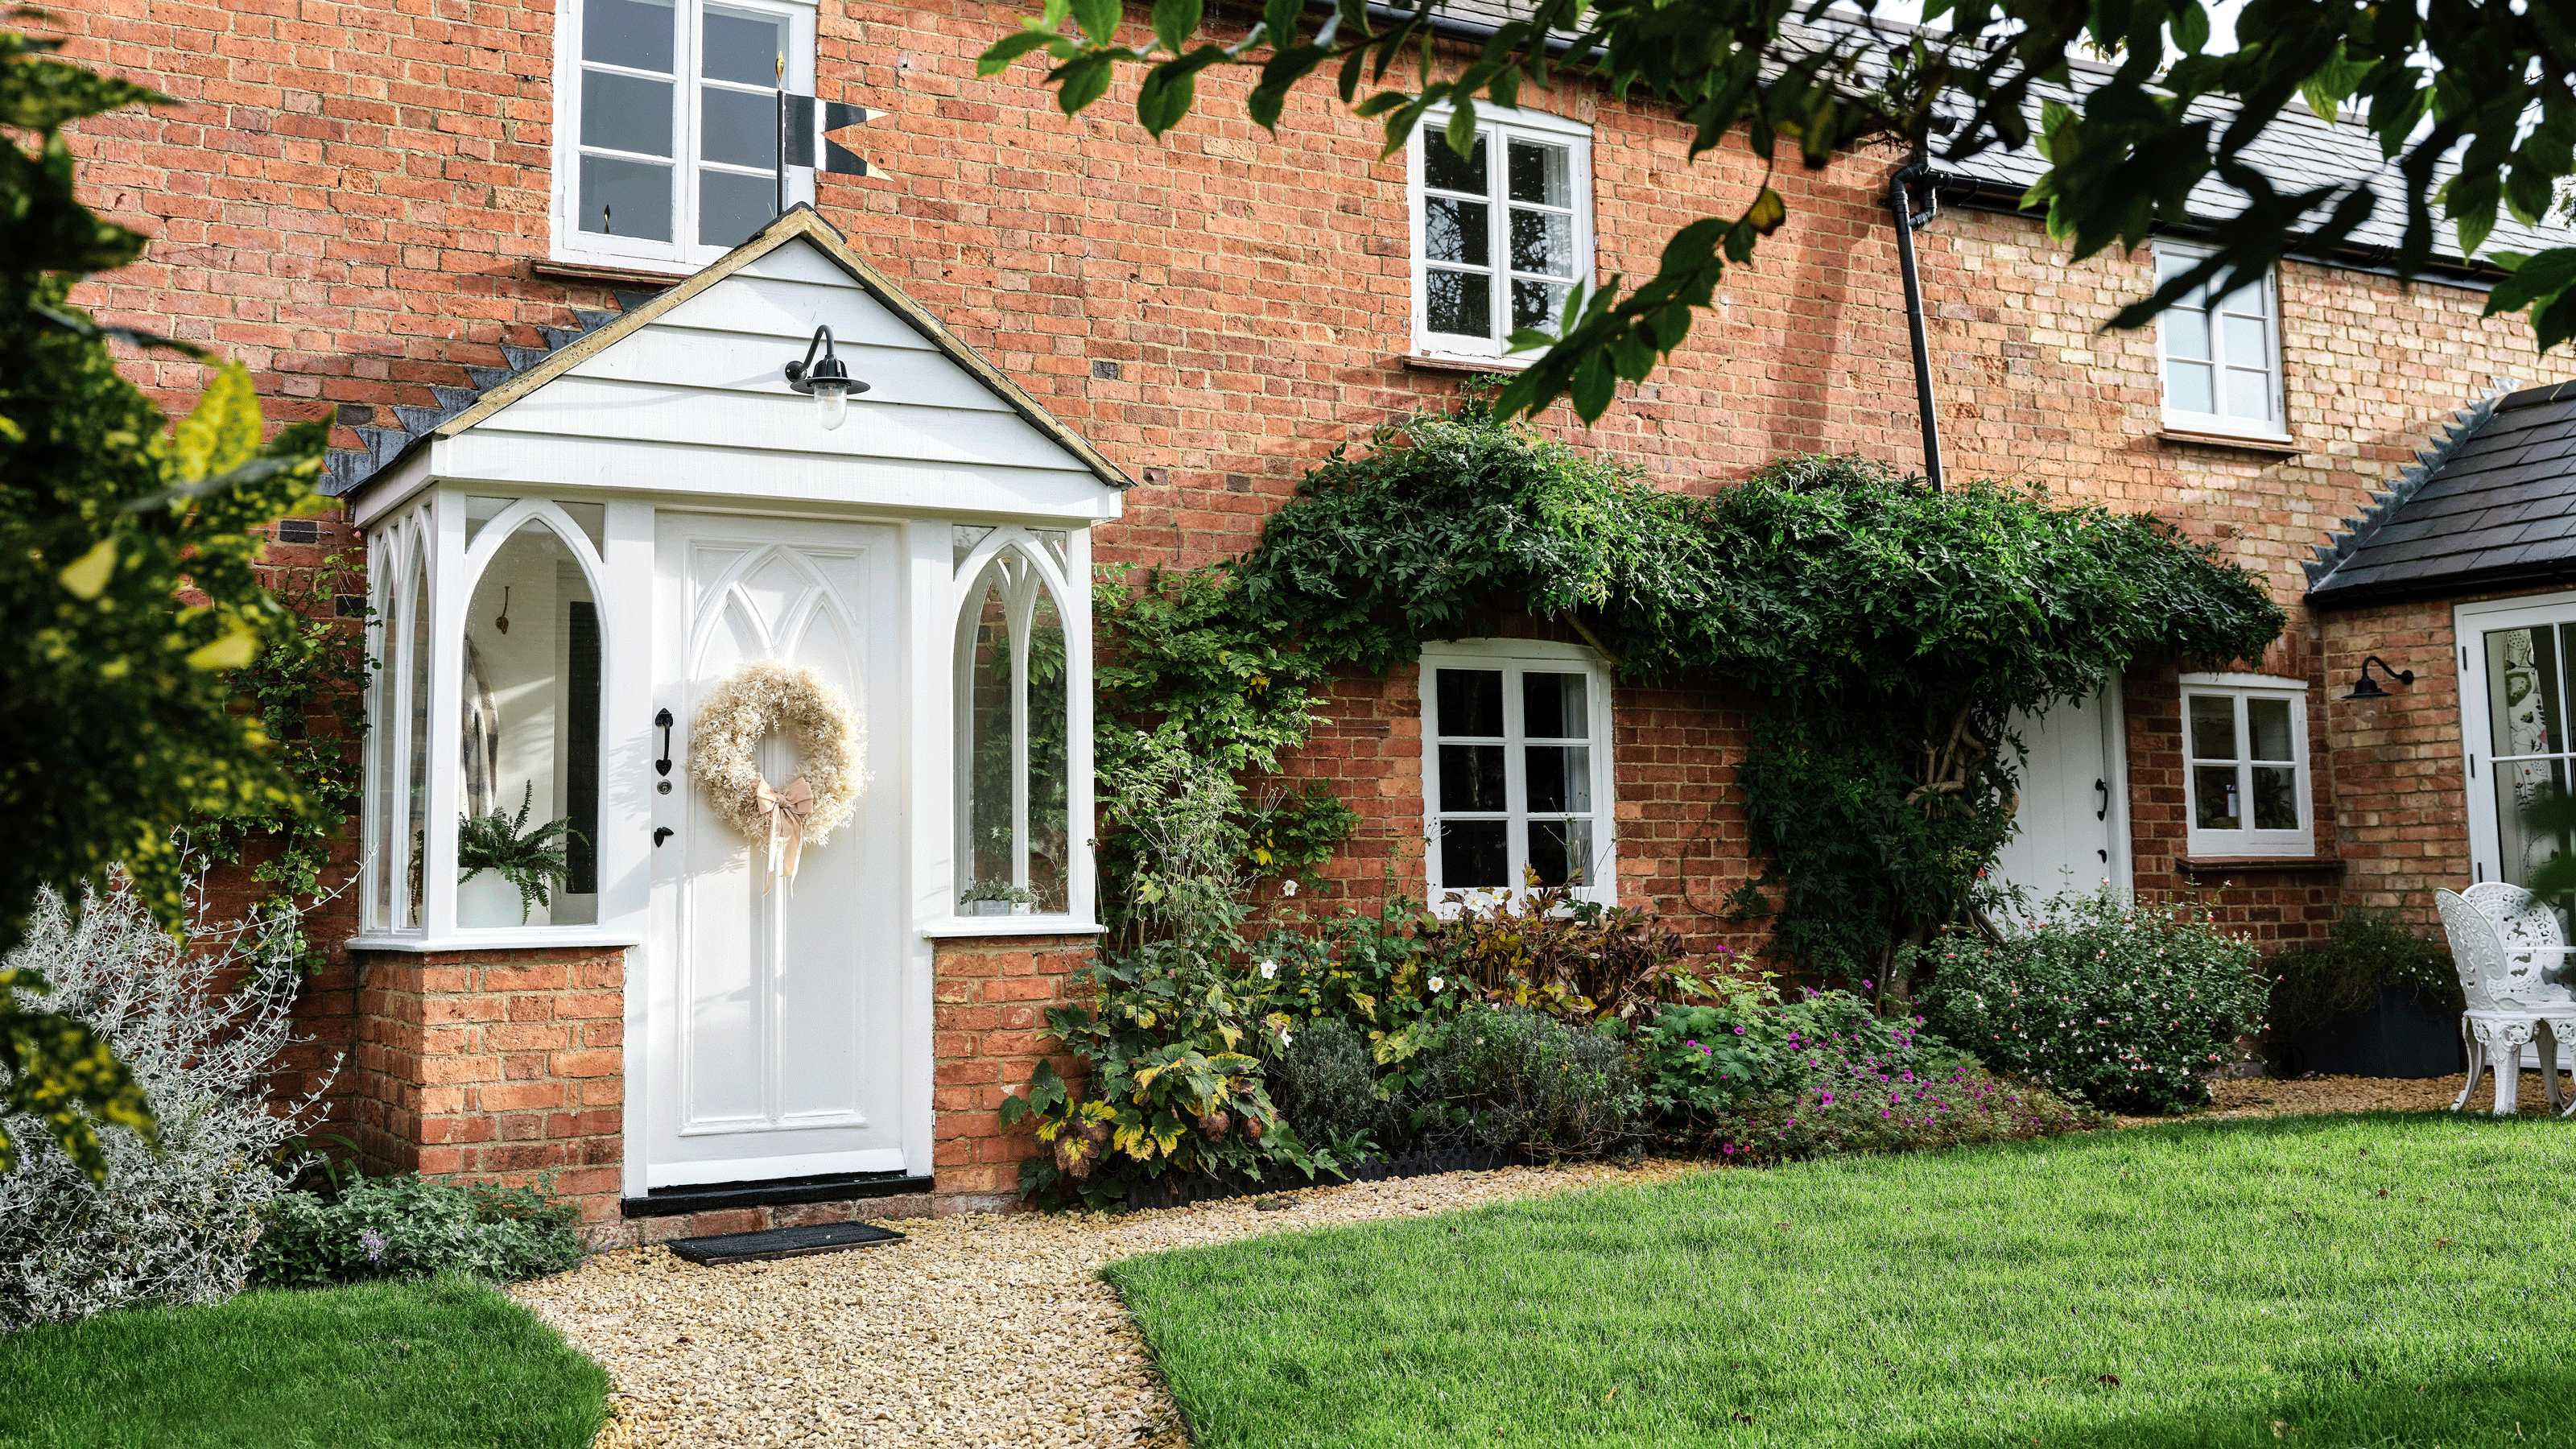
(724, 1248)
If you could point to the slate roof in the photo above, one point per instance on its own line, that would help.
(347, 468)
(2493, 505)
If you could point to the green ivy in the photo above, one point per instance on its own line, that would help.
(1887, 636)
(318, 664)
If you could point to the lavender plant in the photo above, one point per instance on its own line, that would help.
(174, 1225)
(2126, 1005)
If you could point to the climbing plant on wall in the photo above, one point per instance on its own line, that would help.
(1885, 635)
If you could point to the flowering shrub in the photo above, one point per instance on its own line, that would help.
(409, 1227)
(176, 1225)
(1513, 1077)
(1568, 957)
(2124, 1005)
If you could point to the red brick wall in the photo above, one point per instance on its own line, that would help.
(501, 1064)
(989, 1034)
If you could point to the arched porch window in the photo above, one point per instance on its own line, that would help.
(1014, 849)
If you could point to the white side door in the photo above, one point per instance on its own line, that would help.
(2074, 812)
(774, 1047)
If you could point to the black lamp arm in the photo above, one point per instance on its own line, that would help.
(796, 370)
(2402, 676)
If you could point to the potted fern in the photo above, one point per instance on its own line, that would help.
(532, 864)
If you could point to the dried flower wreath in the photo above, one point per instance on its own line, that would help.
(819, 723)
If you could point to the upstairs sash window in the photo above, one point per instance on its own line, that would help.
(1500, 235)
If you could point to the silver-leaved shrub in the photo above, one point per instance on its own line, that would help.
(177, 1225)
(2125, 1005)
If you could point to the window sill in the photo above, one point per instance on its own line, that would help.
(965, 926)
(1468, 366)
(2259, 865)
(531, 938)
(613, 276)
(2280, 447)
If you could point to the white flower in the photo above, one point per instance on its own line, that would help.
(1436, 983)
(1269, 969)
(1285, 1038)
(1287, 888)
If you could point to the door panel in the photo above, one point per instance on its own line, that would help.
(2073, 811)
(774, 1036)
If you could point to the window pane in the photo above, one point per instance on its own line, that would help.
(1474, 854)
(385, 842)
(530, 736)
(1543, 242)
(1560, 851)
(739, 128)
(1457, 231)
(2213, 727)
(2268, 721)
(2523, 849)
(1442, 168)
(416, 791)
(2247, 344)
(2215, 806)
(1552, 707)
(744, 48)
(2245, 302)
(2249, 394)
(732, 206)
(988, 749)
(1560, 779)
(2189, 387)
(2524, 711)
(625, 113)
(1541, 173)
(1537, 304)
(2276, 798)
(1470, 702)
(1471, 777)
(625, 198)
(1459, 302)
(637, 34)
(2186, 333)
(1050, 768)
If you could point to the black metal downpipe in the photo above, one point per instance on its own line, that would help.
(1900, 204)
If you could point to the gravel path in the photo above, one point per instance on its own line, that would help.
(981, 1330)
(996, 1330)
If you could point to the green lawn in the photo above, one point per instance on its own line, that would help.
(422, 1365)
(2384, 1281)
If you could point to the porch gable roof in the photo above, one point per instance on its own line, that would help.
(2492, 505)
(462, 409)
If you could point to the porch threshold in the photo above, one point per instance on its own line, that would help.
(667, 1202)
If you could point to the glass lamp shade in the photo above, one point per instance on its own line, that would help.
(831, 401)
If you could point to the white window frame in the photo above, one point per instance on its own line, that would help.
(2295, 843)
(1058, 559)
(1515, 657)
(2470, 624)
(1497, 125)
(2277, 427)
(682, 253)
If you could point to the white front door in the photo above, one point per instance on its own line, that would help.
(774, 1048)
(2074, 811)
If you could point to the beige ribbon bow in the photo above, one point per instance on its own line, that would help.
(785, 810)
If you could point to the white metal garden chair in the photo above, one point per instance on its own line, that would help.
(2512, 960)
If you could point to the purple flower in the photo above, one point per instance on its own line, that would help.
(374, 1243)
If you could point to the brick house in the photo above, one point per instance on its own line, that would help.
(548, 306)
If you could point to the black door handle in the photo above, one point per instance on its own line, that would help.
(2105, 812)
(662, 833)
(662, 766)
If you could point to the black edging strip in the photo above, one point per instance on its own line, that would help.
(665, 1202)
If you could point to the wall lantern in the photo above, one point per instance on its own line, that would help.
(828, 380)
(2368, 688)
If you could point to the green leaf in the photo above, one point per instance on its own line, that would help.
(1175, 21)
(2533, 278)
(1279, 17)
(999, 56)
(2190, 25)
(1593, 386)
(1767, 212)
(1461, 131)
(1165, 96)
(1098, 19)
(1081, 82)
